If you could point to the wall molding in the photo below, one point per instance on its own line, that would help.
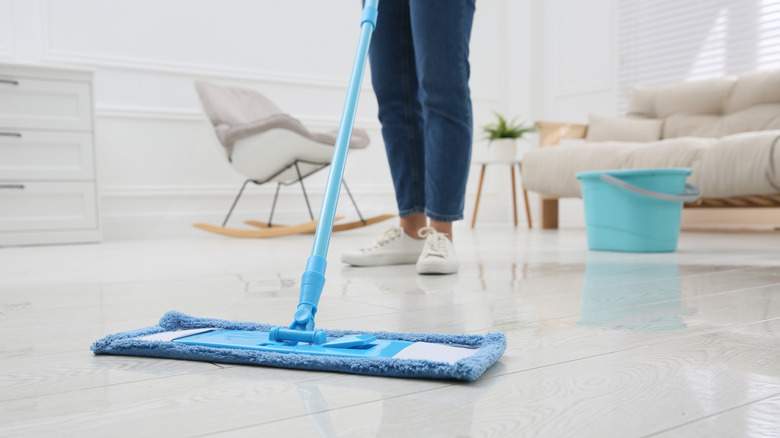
(156, 113)
(133, 212)
(128, 191)
(128, 212)
(176, 68)
(199, 70)
(69, 57)
(207, 72)
(196, 115)
(123, 63)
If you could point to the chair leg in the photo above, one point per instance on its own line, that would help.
(235, 201)
(344, 183)
(306, 197)
(514, 192)
(525, 195)
(273, 206)
(527, 209)
(479, 193)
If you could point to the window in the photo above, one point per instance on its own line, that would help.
(663, 41)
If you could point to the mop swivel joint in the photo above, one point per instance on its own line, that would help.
(302, 327)
(280, 334)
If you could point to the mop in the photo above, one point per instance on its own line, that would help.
(300, 345)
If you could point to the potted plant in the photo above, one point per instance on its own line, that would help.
(503, 136)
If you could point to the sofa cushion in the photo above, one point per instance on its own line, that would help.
(693, 125)
(603, 128)
(713, 107)
(741, 164)
(754, 118)
(752, 89)
(662, 101)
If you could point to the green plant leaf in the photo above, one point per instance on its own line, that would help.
(506, 129)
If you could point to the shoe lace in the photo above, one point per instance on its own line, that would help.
(434, 242)
(387, 237)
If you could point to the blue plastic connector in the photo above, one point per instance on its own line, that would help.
(279, 334)
(370, 12)
(302, 327)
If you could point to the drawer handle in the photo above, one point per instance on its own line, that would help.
(9, 82)
(11, 134)
(12, 186)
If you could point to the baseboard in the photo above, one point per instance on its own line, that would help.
(156, 212)
(45, 237)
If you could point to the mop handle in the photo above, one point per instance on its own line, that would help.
(313, 279)
(336, 173)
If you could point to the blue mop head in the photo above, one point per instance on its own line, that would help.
(490, 348)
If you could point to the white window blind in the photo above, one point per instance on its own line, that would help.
(664, 41)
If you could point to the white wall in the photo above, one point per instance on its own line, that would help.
(158, 165)
(573, 73)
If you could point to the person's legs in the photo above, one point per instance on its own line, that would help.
(441, 32)
(394, 77)
(420, 71)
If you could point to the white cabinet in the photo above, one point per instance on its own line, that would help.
(48, 192)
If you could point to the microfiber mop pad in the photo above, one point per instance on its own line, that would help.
(489, 349)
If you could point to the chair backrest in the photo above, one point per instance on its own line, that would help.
(712, 107)
(233, 106)
(239, 113)
(228, 107)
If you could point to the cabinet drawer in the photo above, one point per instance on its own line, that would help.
(36, 206)
(43, 155)
(44, 104)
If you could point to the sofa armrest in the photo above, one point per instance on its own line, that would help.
(551, 133)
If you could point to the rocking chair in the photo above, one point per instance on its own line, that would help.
(265, 144)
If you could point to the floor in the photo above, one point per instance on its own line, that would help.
(600, 344)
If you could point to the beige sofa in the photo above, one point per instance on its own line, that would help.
(726, 129)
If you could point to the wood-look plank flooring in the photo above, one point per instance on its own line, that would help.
(601, 344)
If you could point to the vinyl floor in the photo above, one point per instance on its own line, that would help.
(600, 344)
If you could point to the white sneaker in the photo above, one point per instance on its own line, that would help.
(394, 247)
(438, 255)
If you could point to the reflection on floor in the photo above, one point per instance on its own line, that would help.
(600, 343)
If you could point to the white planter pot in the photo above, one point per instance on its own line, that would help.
(504, 149)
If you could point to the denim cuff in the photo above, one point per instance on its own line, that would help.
(431, 215)
(443, 218)
(411, 211)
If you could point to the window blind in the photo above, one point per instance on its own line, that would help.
(664, 41)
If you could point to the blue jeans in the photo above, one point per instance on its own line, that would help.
(420, 73)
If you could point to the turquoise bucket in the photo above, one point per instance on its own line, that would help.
(635, 210)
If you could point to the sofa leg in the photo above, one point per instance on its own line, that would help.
(549, 213)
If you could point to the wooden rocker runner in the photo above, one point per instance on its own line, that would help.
(265, 230)
(265, 144)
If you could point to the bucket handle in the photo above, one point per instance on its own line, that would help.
(692, 193)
